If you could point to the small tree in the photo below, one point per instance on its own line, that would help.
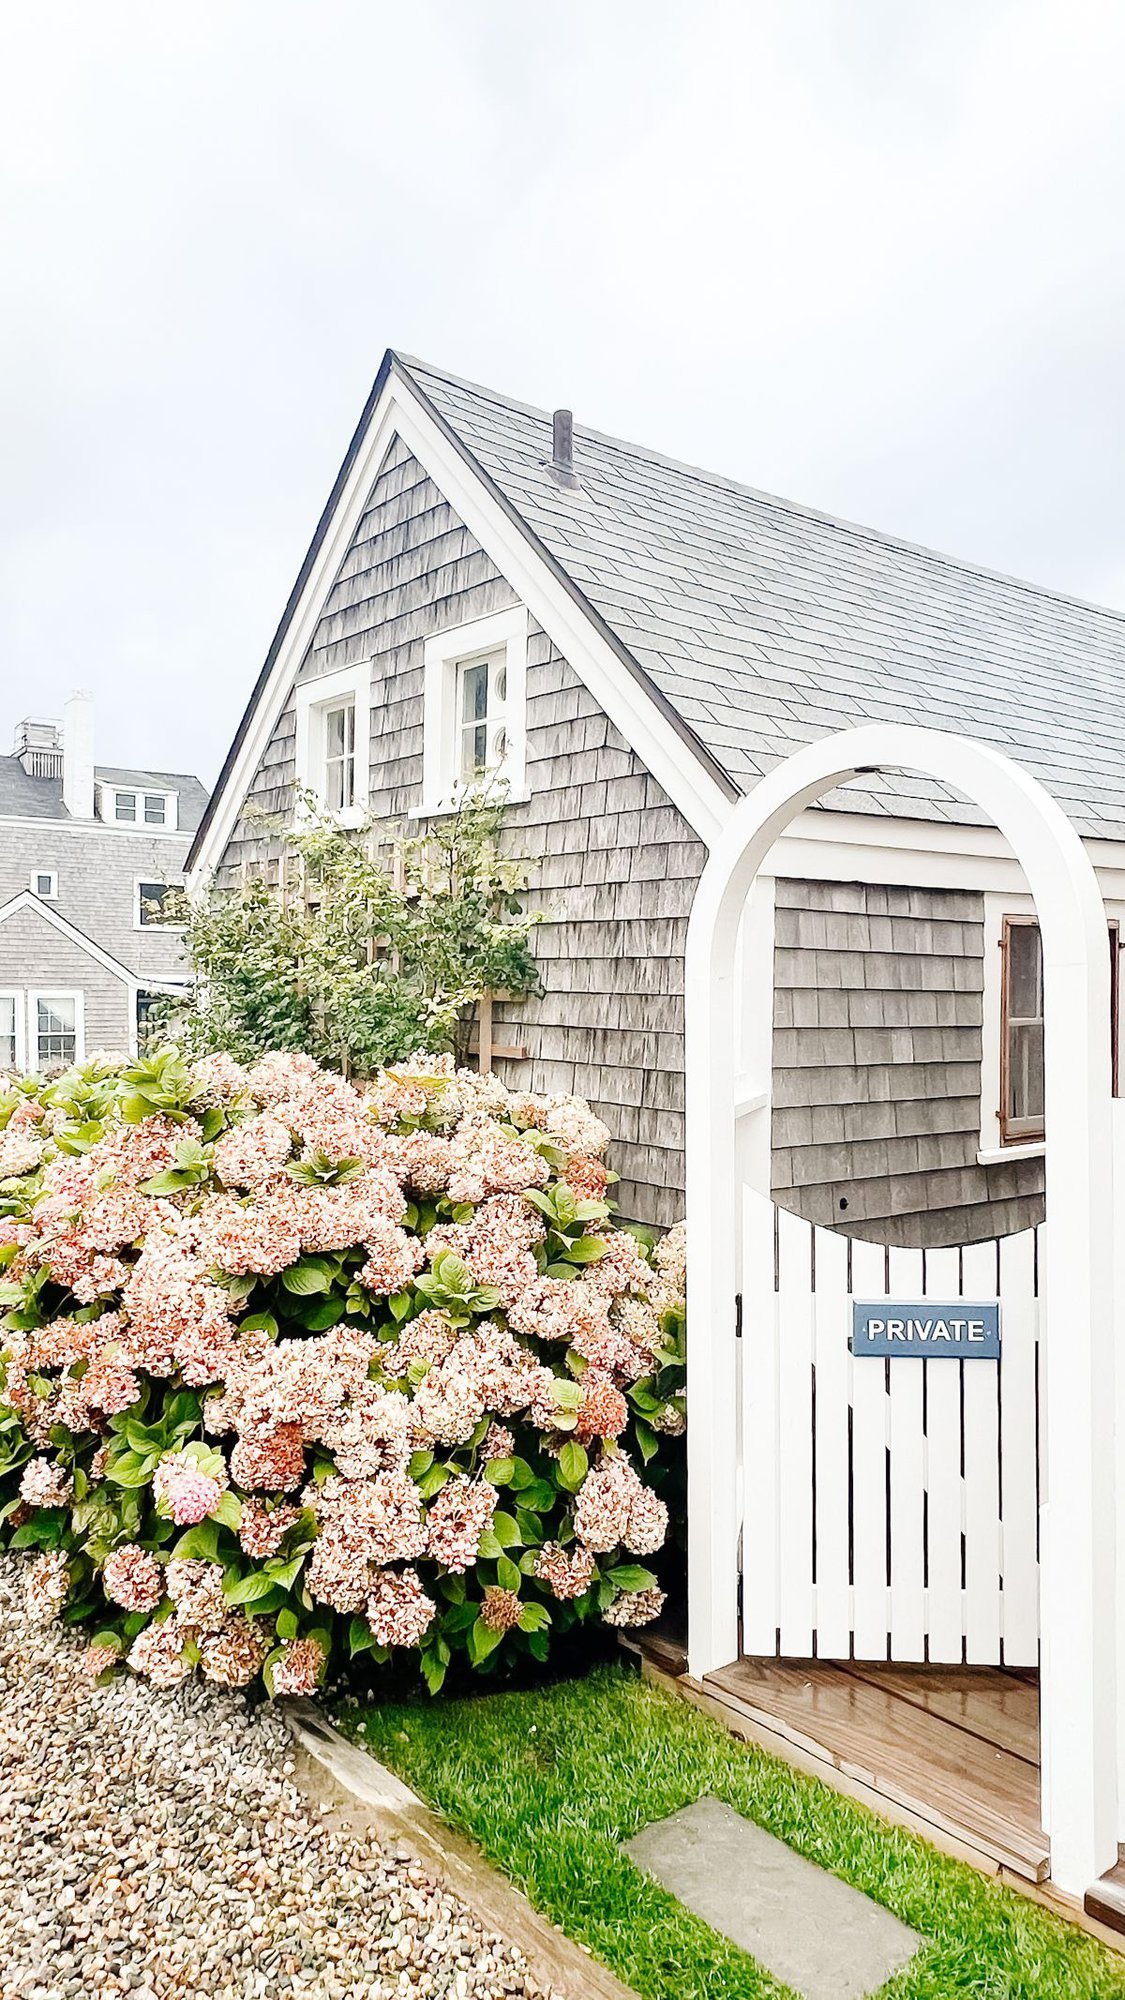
(367, 948)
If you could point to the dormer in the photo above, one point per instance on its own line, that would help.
(137, 804)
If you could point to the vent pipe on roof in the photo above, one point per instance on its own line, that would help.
(562, 448)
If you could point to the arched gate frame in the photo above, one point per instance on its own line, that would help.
(727, 1079)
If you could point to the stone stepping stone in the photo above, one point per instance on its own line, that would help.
(817, 1934)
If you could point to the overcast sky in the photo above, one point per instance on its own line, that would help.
(864, 254)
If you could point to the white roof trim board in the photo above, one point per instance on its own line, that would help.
(722, 628)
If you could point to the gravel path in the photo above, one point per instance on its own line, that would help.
(154, 1844)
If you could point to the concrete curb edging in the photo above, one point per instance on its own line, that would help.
(371, 1799)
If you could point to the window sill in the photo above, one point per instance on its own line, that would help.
(1023, 1149)
(444, 808)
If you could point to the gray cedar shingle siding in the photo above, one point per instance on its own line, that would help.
(877, 1055)
(28, 940)
(614, 864)
(878, 991)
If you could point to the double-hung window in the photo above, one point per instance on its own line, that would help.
(1021, 1027)
(150, 901)
(55, 1028)
(474, 712)
(482, 693)
(339, 756)
(10, 1031)
(333, 742)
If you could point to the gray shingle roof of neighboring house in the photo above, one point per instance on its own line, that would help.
(23, 797)
(765, 625)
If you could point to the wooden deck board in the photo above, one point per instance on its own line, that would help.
(978, 1791)
(996, 1707)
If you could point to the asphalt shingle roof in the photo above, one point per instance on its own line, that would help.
(766, 625)
(23, 797)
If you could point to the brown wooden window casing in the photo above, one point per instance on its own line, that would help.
(1021, 1027)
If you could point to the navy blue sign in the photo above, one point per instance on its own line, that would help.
(961, 1329)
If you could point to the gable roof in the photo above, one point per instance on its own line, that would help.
(26, 900)
(24, 797)
(767, 625)
(754, 625)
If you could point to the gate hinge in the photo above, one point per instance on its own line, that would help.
(738, 1315)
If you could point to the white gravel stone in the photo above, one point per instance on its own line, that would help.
(153, 1844)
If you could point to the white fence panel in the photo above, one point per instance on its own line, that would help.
(891, 1507)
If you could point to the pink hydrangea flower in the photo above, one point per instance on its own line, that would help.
(133, 1578)
(183, 1490)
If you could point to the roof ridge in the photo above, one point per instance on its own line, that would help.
(857, 530)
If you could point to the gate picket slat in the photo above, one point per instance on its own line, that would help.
(982, 1475)
(944, 1497)
(761, 1610)
(907, 1481)
(795, 1354)
(870, 1616)
(832, 1322)
(1019, 1496)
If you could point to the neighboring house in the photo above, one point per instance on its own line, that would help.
(630, 643)
(87, 855)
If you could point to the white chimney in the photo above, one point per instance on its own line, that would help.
(78, 755)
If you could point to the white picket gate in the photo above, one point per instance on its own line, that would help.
(889, 1508)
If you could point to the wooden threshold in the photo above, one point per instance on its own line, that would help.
(1106, 1900)
(906, 1741)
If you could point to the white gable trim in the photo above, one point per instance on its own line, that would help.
(633, 710)
(26, 901)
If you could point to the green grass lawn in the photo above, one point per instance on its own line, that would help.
(548, 1781)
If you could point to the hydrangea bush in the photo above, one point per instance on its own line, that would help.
(294, 1371)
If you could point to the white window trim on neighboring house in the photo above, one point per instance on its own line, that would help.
(998, 905)
(313, 700)
(47, 994)
(19, 1020)
(153, 924)
(501, 640)
(45, 895)
(107, 803)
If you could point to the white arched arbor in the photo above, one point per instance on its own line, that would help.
(726, 1078)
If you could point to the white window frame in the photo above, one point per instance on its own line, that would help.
(502, 637)
(19, 1017)
(174, 929)
(107, 802)
(48, 994)
(998, 905)
(313, 700)
(45, 895)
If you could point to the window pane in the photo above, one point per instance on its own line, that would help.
(1025, 1070)
(148, 1022)
(125, 805)
(1025, 972)
(474, 695)
(7, 1031)
(151, 897)
(334, 734)
(154, 809)
(43, 885)
(56, 1039)
(474, 751)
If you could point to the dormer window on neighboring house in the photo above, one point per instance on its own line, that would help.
(130, 805)
(474, 723)
(333, 748)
